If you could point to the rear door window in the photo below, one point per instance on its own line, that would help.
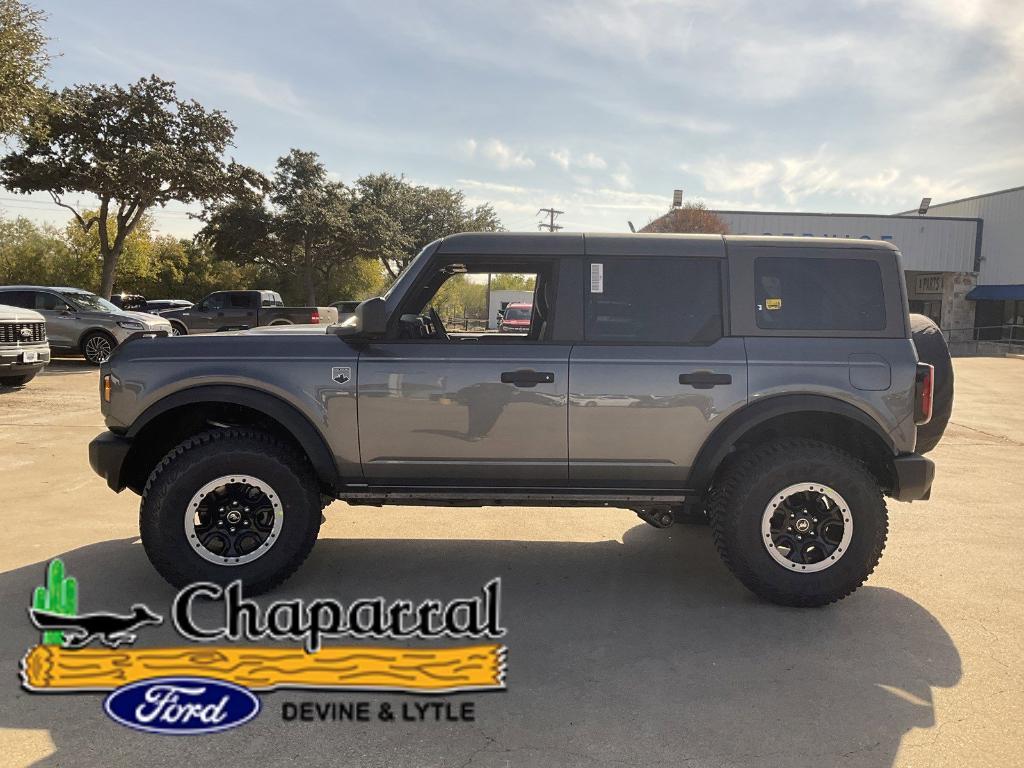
(23, 299)
(48, 301)
(813, 294)
(663, 300)
(242, 300)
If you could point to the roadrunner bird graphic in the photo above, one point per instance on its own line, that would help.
(111, 629)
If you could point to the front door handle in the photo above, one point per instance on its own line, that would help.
(527, 378)
(704, 379)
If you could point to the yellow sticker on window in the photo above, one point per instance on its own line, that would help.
(773, 303)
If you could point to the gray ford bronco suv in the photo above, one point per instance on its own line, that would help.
(772, 384)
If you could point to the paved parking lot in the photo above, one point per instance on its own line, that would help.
(627, 645)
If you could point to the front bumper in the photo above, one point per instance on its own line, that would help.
(914, 476)
(11, 359)
(107, 454)
(126, 336)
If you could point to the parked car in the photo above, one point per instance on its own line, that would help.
(79, 322)
(130, 302)
(772, 382)
(24, 351)
(516, 318)
(156, 306)
(239, 310)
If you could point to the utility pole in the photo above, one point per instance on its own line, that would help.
(550, 226)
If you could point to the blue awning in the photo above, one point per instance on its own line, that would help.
(996, 293)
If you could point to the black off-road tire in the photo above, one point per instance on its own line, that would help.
(17, 381)
(931, 348)
(748, 486)
(205, 457)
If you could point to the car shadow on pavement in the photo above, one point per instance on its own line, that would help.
(640, 652)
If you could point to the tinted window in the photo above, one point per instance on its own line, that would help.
(797, 294)
(241, 300)
(216, 301)
(23, 299)
(660, 300)
(49, 301)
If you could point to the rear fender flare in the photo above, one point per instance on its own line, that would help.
(730, 431)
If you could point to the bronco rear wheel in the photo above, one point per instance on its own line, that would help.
(799, 522)
(230, 504)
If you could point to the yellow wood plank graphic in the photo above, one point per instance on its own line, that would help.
(52, 668)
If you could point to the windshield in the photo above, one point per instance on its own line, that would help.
(90, 302)
(517, 313)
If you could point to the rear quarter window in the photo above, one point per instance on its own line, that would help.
(818, 294)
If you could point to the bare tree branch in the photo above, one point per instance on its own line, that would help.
(85, 224)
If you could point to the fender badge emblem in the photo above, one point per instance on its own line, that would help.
(341, 375)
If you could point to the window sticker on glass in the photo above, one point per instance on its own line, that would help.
(773, 303)
(597, 278)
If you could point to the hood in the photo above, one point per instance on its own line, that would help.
(149, 322)
(18, 315)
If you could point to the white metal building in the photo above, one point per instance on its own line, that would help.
(964, 259)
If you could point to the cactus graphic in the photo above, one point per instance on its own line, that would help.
(60, 595)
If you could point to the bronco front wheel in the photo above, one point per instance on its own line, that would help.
(230, 504)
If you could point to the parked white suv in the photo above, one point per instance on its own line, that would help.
(23, 348)
(79, 322)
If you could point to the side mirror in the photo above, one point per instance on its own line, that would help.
(370, 321)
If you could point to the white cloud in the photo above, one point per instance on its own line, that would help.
(794, 179)
(590, 160)
(497, 153)
(561, 158)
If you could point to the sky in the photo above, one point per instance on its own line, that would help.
(595, 107)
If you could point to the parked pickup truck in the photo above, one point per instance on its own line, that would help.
(24, 351)
(770, 383)
(239, 310)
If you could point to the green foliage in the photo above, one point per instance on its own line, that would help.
(58, 595)
(300, 227)
(157, 266)
(133, 148)
(393, 219)
(23, 62)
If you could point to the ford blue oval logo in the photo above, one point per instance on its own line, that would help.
(185, 705)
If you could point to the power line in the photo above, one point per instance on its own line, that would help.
(550, 226)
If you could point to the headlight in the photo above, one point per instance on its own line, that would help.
(131, 325)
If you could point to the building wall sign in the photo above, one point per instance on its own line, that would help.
(928, 284)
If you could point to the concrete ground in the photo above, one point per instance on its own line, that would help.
(627, 645)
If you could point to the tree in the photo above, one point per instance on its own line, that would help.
(691, 217)
(133, 148)
(394, 220)
(301, 226)
(23, 61)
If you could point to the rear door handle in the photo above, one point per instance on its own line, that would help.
(704, 379)
(527, 378)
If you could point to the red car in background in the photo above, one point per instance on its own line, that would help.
(516, 318)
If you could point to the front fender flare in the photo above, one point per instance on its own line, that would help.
(298, 425)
